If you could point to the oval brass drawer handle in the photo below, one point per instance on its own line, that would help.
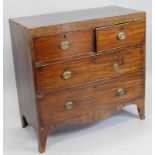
(64, 45)
(121, 35)
(116, 67)
(69, 105)
(67, 75)
(120, 92)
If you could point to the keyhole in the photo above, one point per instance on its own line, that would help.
(64, 36)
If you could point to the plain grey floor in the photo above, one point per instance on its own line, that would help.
(121, 134)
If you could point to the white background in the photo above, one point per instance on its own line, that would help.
(122, 134)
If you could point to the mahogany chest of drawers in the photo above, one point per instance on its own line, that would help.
(77, 67)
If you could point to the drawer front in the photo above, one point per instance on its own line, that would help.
(63, 45)
(72, 73)
(76, 102)
(123, 35)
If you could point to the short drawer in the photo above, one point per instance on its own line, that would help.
(76, 102)
(72, 73)
(118, 36)
(63, 45)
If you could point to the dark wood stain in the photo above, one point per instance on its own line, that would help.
(48, 48)
(89, 69)
(24, 76)
(107, 39)
(90, 99)
(94, 48)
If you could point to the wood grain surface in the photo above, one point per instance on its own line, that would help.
(24, 76)
(90, 99)
(106, 73)
(48, 48)
(89, 69)
(33, 22)
(107, 37)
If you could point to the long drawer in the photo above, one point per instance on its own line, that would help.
(72, 73)
(76, 102)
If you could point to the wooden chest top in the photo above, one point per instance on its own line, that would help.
(32, 22)
(78, 20)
